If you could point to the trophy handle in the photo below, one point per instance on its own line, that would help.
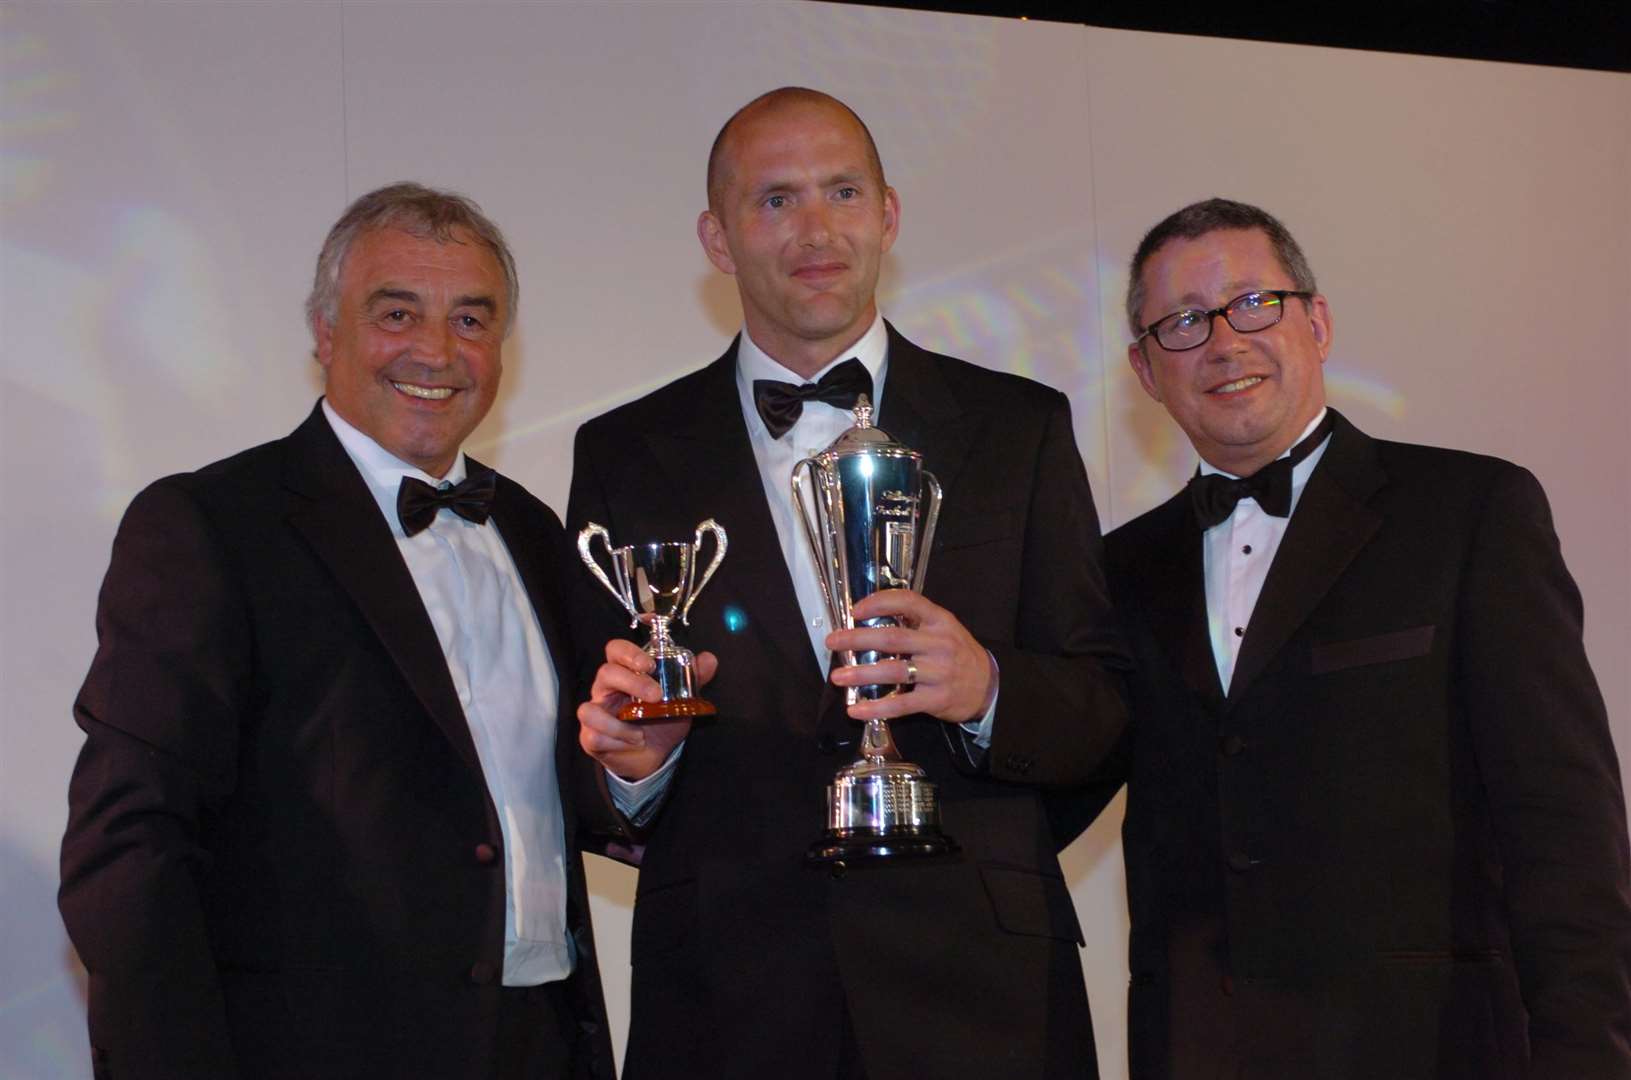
(813, 533)
(590, 531)
(926, 543)
(718, 531)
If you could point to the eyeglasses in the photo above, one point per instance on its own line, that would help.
(1246, 313)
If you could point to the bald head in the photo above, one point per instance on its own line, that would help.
(766, 106)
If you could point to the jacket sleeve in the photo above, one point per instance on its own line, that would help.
(1540, 733)
(161, 709)
(1062, 701)
(595, 621)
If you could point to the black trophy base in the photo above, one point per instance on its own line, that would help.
(868, 845)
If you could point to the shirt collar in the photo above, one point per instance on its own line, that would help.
(1300, 473)
(752, 362)
(381, 470)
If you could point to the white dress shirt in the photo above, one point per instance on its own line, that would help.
(1236, 554)
(816, 428)
(506, 683)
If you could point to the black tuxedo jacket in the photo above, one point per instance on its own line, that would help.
(281, 857)
(1397, 847)
(746, 961)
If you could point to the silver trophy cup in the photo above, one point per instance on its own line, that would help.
(656, 584)
(861, 502)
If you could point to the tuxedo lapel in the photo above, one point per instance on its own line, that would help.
(708, 462)
(1329, 527)
(920, 411)
(1174, 588)
(340, 520)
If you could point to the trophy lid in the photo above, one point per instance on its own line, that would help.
(863, 437)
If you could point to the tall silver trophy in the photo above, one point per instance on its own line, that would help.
(656, 584)
(862, 504)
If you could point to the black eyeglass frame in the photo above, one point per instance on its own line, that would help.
(1279, 294)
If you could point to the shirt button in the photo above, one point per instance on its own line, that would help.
(1247, 550)
(486, 853)
(1240, 631)
(817, 622)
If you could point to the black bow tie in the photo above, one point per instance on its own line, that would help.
(471, 498)
(780, 404)
(1213, 495)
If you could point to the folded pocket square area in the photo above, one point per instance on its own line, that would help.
(1379, 649)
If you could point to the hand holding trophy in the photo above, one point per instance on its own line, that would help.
(657, 583)
(860, 502)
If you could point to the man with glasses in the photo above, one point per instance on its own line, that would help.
(1375, 826)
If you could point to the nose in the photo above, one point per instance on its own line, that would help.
(815, 228)
(433, 344)
(1225, 342)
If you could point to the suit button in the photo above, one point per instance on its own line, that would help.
(486, 853)
(839, 870)
(1240, 862)
(482, 972)
(827, 744)
(1019, 763)
(1230, 745)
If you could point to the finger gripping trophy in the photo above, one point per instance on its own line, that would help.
(657, 583)
(861, 504)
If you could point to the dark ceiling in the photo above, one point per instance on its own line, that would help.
(1562, 33)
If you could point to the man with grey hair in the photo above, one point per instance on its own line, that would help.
(322, 823)
(1375, 825)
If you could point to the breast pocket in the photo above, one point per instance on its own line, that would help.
(1376, 649)
(957, 531)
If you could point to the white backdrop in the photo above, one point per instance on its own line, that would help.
(169, 170)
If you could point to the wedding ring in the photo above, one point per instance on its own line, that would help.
(911, 673)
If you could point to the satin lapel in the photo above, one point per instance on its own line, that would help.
(1329, 527)
(1175, 591)
(920, 410)
(341, 521)
(708, 461)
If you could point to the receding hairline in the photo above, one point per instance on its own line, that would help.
(1204, 218)
(782, 98)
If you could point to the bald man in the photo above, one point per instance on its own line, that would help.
(747, 962)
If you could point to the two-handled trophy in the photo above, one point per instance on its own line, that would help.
(657, 583)
(861, 504)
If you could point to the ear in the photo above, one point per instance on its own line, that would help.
(1141, 367)
(323, 334)
(891, 217)
(711, 231)
(1319, 319)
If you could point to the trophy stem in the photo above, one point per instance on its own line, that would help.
(674, 668)
(661, 640)
(877, 743)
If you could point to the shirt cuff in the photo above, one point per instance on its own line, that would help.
(979, 731)
(638, 800)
